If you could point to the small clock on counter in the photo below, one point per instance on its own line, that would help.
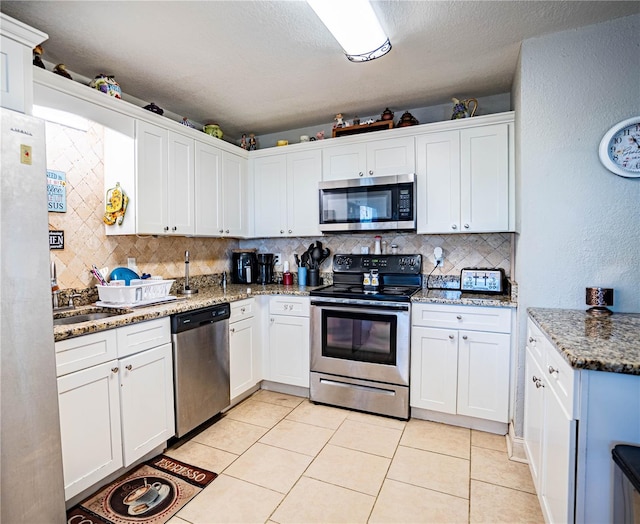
(620, 148)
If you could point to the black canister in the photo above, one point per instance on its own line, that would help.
(265, 268)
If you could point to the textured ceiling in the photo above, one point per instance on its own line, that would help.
(269, 66)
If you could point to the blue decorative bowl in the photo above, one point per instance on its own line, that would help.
(123, 273)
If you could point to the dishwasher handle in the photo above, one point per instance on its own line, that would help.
(200, 317)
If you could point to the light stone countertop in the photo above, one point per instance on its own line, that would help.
(598, 343)
(209, 296)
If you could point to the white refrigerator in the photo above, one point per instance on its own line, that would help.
(30, 451)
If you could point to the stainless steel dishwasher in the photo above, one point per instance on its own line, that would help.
(200, 365)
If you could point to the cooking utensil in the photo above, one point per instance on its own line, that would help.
(297, 258)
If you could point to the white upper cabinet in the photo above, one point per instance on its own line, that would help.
(16, 70)
(392, 156)
(465, 180)
(164, 181)
(286, 194)
(220, 192)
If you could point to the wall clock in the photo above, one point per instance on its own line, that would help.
(620, 148)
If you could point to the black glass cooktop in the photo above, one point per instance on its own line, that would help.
(393, 293)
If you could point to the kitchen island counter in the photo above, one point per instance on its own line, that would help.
(207, 296)
(596, 343)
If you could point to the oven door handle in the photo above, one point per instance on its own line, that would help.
(346, 305)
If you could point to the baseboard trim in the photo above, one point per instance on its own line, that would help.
(515, 446)
(287, 389)
(490, 426)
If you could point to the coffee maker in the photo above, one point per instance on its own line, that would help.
(265, 268)
(244, 269)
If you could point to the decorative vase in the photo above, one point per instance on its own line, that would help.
(107, 85)
(213, 130)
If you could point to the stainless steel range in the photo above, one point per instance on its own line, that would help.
(360, 329)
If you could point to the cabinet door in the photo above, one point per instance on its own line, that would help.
(304, 171)
(558, 461)
(438, 182)
(343, 162)
(533, 415)
(484, 168)
(289, 350)
(14, 59)
(181, 193)
(151, 179)
(89, 426)
(434, 369)
(234, 195)
(270, 196)
(393, 156)
(208, 187)
(242, 361)
(483, 375)
(146, 401)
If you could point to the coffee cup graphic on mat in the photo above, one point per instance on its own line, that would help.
(143, 495)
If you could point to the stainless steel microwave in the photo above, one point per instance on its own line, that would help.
(371, 203)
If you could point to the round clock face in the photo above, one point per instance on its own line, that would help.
(620, 148)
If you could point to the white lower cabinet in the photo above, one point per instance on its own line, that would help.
(90, 427)
(113, 410)
(288, 340)
(455, 367)
(146, 401)
(244, 348)
(550, 427)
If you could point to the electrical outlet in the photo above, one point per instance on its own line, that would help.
(277, 259)
(438, 256)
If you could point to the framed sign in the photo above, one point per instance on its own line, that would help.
(56, 239)
(57, 191)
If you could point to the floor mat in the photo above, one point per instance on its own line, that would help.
(150, 494)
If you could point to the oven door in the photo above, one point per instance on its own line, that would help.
(361, 341)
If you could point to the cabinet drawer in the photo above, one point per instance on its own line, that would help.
(535, 342)
(293, 306)
(562, 378)
(462, 317)
(143, 335)
(242, 309)
(82, 352)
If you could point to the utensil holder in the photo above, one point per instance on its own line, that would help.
(302, 276)
(314, 277)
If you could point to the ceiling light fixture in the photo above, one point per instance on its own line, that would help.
(355, 26)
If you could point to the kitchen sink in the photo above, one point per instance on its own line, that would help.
(84, 316)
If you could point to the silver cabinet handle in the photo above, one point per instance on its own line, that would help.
(114, 370)
(220, 231)
(464, 337)
(360, 173)
(459, 317)
(290, 231)
(282, 231)
(174, 228)
(532, 340)
(466, 226)
(454, 226)
(233, 330)
(537, 382)
(272, 320)
(227, 231)
(451, 337)
(166, 228)
(129, 367)
(242, 310)
(370, 172)
(552, 370)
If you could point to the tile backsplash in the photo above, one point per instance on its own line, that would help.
(80, 155)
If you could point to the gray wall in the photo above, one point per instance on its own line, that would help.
(579, 223)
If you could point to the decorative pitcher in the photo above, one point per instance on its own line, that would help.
(461, 108)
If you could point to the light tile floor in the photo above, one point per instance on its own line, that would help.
(283, 459)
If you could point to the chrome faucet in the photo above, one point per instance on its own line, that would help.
(55, 289)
